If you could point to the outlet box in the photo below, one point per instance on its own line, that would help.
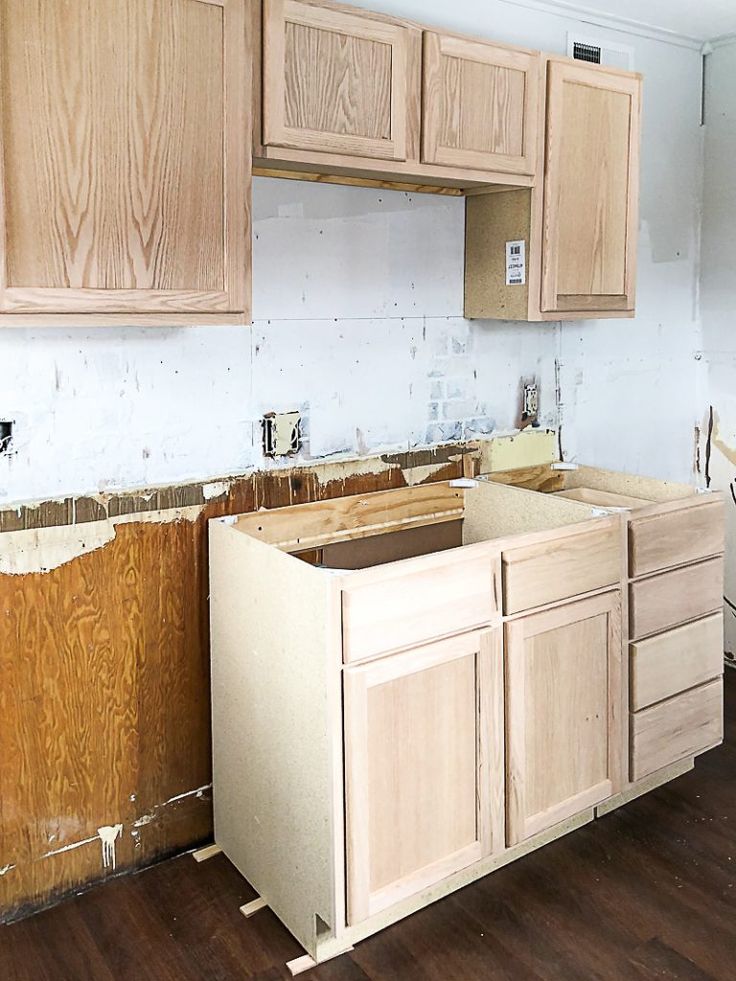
(282, 433)
(6, 435)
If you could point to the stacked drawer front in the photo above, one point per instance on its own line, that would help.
(676, 631)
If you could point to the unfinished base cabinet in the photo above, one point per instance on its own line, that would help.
(563, 722)
(415, 687)
(423, 767)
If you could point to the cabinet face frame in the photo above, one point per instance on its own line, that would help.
(276, 132)
(520, 824)
(485, 648)
(48, 305)
(438, 46)
(560, 73)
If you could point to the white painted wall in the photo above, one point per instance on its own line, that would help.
(718, 299)
(358, 307)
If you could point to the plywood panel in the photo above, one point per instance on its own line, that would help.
(104, 675)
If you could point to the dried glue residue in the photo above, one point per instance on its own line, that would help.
(108, 836)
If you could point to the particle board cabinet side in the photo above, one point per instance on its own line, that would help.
(277, 728)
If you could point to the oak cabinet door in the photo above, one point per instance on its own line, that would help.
(563, 713)
(333, 81)
(124, 164)
(591, 190)
(423, 767)
(479, 105)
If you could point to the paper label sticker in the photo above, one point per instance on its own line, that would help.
(516, 263)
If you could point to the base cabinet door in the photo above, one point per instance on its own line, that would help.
(590, 190)
(423, 767)
(563, 713)
(334, 81)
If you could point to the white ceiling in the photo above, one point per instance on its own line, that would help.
(702, 20)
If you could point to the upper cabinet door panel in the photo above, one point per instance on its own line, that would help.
(124, 172)
(479, 105)
(333, 81)
(591, 190)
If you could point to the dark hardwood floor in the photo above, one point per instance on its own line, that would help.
(647, 892)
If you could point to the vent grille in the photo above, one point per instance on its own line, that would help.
(586, 52)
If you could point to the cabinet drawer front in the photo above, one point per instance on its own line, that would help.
(540, 574)
(680, 727)
(334, 81)
(479, 106)
(410, 607)
(675, 597)
(676, 537)
(672, 662)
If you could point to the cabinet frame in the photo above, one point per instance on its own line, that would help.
(558, 73)
(46, 306)
(437, 46)
(276, 132)
(486, 647)
(519, 824)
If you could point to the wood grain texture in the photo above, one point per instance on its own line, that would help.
(418, 601)
(671, 598)
(677, 728)
(677, 536)
(104, 679)
(414, 793)
(672, 662)
(538, 574)
(590, 189)
(563, 718)
(334, 81)
(479, 105)
(125, 189)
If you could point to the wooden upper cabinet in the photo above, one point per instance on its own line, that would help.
(563, 713)
(124, 161)
(334, 81)
(590, 190)
(480, 105)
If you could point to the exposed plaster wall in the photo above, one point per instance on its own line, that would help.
(718, 300)
(358, 308)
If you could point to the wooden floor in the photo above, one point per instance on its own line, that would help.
(647, 892)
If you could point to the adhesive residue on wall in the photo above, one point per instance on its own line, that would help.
(109, 834)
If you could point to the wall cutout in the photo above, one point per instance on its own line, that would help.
(6, 435)
(282, 433)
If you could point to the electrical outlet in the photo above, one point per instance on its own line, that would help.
(282, 433)
(6, 435)
(530, 403)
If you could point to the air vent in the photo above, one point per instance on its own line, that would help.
(597, 51)
(586, 52)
